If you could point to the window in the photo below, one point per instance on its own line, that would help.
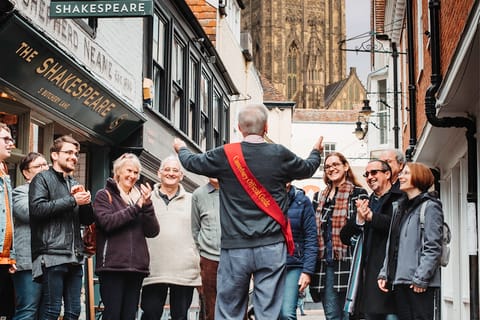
(192, 111)
(328, 147)
(158, 55)
(216, 116)
(382, 112)
(204, 104)
(88, 24)
(225, 132)
(177, 94)
(177, 61)
(292, 71)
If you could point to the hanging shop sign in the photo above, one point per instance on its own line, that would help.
(112, 8)
(34, 66)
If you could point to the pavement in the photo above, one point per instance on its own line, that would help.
(314, 314)
(313, 311)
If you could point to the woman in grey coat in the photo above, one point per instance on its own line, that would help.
(27, 292)
(416, 278)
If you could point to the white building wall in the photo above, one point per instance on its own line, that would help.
(243, 73)
(304, 135)
(114, 55)
(280, 126)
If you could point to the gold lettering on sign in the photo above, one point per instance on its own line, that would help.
(68, 81)
(26, 52)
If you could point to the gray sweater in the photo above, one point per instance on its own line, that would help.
(206, 221)
(244, 225)
(21, 219)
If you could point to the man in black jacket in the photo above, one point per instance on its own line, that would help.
(58, 205)
(373, 219)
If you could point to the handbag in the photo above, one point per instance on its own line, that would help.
(90, 235)
(89, 240)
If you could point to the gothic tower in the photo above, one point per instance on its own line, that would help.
(295, 45)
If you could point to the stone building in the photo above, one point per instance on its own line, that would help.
(295, 46)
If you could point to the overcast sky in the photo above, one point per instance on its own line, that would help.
(358, 25)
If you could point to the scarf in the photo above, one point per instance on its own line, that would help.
(132, 197)
(341, 213)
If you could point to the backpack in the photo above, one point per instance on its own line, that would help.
(445, 257)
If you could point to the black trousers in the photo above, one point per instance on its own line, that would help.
(154, 297)
(414, 306)
(120, 293)
(7, 295)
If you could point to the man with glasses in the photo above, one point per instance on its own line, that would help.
(373, 220)
(58, 206)
(7, 262)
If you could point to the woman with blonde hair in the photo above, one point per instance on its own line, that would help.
(124, 217)
(335, 206)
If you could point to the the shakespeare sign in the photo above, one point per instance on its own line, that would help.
(112, 8)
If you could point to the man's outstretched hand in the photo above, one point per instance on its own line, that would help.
(319, 144)
(178, 143)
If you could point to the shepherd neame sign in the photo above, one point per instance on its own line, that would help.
(112, 8)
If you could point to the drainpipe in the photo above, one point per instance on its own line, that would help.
(412, 90)
(457, 122)
(396, 127)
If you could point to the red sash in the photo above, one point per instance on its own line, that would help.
(262, 198)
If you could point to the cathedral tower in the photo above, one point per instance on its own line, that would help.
(295, 45)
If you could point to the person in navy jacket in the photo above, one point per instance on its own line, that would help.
(301, 265)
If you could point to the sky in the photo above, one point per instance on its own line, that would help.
(358, 25)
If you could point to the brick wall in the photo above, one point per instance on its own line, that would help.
(206, 15)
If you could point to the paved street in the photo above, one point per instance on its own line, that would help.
(313, 311)
(314, 314)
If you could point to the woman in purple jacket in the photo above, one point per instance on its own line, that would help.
(124, 218)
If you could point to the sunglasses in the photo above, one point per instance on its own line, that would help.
(373, 172)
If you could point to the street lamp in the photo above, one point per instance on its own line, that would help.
(366, 109)
(361, 127)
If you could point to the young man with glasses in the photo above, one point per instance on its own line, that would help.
(7, 261)
(373, 220)
(56, 214)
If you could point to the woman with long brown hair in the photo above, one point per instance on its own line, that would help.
(335, 205)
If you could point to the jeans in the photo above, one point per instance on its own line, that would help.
(333, 301)
(120, 293)
(290, 296)
(62, 281)
(27, 294)
(237, 266)
(155, 295)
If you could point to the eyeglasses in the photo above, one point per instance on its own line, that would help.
(373, 172)
(8, 140)
(38, 166)
(71, 153)
(333, 165)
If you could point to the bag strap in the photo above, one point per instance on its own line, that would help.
(422, 220)
(257, 192)
(109, 196)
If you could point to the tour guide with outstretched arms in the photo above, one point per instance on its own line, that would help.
(252, 242)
